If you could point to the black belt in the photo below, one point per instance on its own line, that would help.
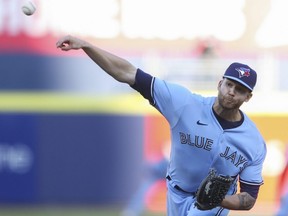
(179, 188)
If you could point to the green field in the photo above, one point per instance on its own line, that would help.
(63, 211)
(262, 210)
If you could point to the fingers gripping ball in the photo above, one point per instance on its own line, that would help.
(28, 8)
(212, 190)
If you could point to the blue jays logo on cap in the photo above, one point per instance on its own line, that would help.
(242, 74)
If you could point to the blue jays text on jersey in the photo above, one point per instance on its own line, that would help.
(206, 143)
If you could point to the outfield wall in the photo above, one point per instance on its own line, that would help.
(69, 158)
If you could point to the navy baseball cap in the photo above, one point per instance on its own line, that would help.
(242, 74)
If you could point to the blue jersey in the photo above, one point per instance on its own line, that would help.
(198, 142)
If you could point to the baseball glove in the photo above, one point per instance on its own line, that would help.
(212, 190)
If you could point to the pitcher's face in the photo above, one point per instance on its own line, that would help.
(231, 94)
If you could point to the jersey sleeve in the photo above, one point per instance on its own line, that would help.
(252, 174)
(170, 99)
(253, 190)
(167, 98)
(144, 85)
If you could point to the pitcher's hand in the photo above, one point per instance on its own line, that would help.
(68, 43)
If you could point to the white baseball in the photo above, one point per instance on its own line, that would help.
(28, 8)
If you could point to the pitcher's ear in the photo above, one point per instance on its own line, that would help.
(220, 83)
(249, 96)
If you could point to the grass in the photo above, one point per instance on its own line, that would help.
(262, 209)
(63, 211)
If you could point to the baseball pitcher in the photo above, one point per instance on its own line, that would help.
(214, 145)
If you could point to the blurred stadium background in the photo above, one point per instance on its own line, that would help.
(74, 142)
